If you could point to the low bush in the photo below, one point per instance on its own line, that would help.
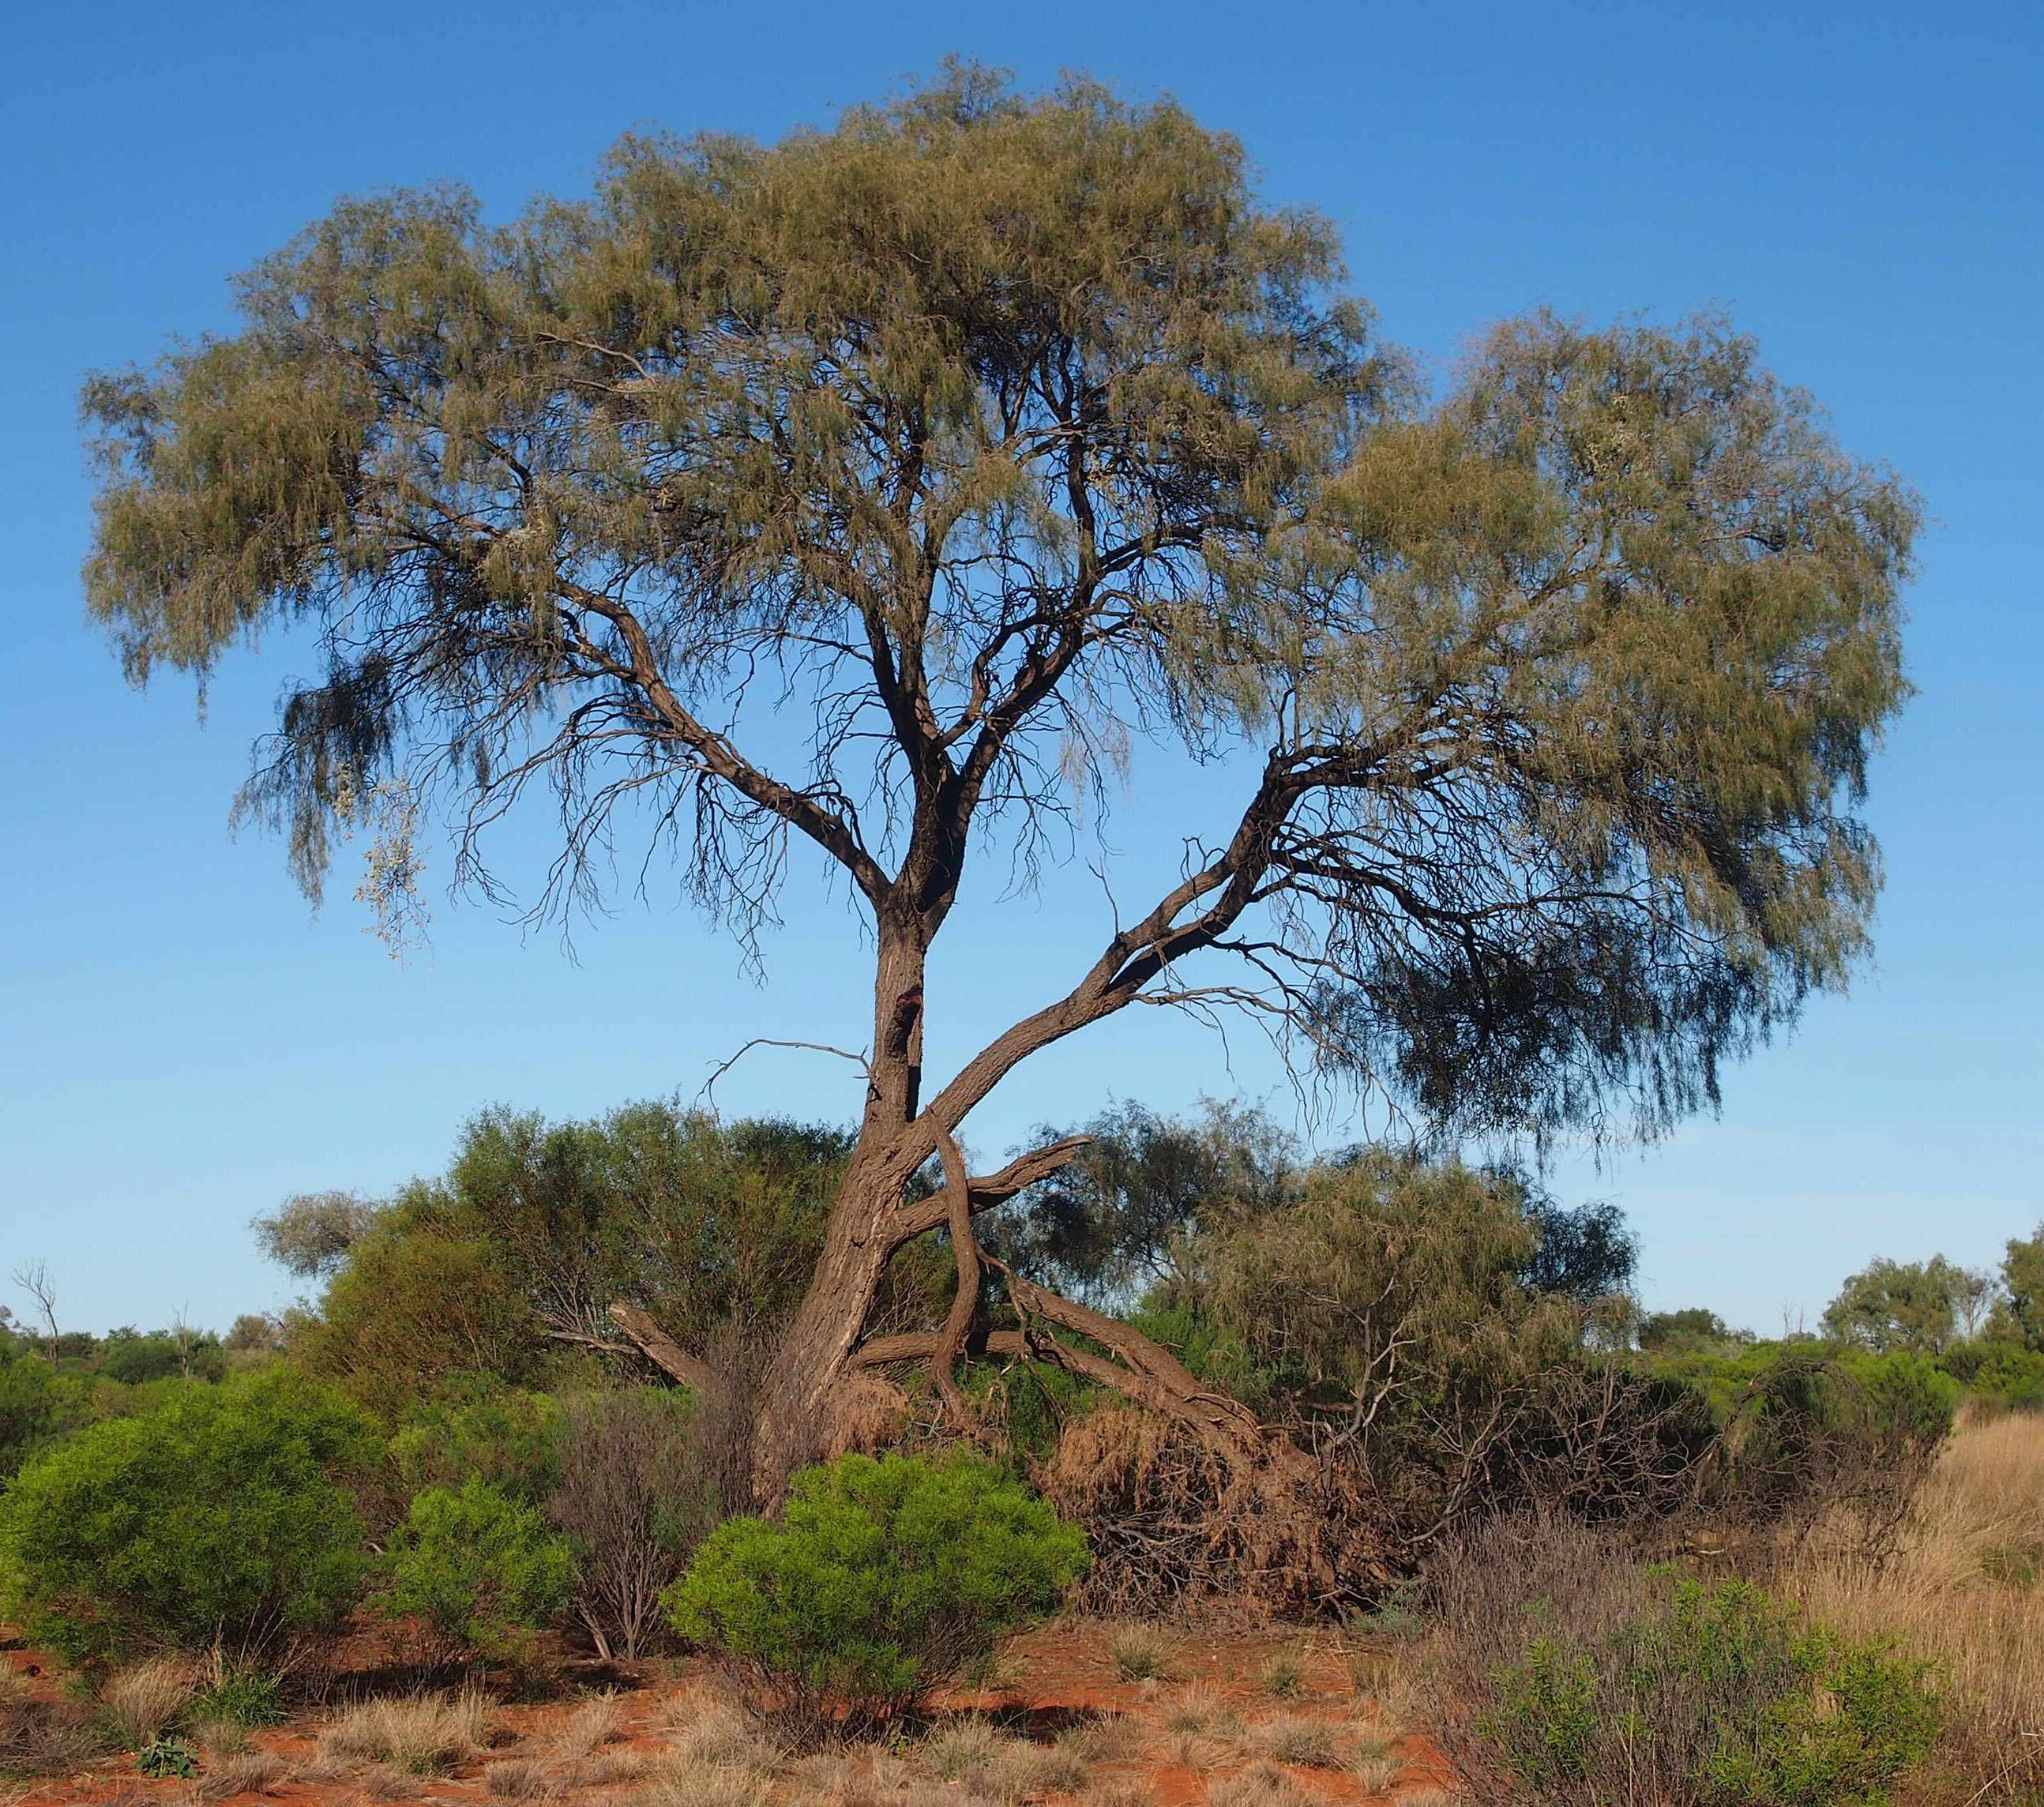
(636, 1497)
(240, 1696)
(220, 1519)
(885, 1577)
(508, 1439)
(474, 1569)
(1579, 1672)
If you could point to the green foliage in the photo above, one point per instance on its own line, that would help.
(509, 1440)
(452, 1289)
(883, 1578)
(2018, 1316)
(133, 1358)
(241, 1697)
(1895, 1304)
(419, 1310)
(1998, 1374)
(1717, 1695)
(223, 1514)
(167, 1756)
(309, 1235)
(1691, 1331)
(476, 1567)
(37, 1405)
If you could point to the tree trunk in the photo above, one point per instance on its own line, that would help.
(791, 1407)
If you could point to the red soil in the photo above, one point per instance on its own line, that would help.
(1050, 1679)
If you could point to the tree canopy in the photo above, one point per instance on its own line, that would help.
(1002, 428)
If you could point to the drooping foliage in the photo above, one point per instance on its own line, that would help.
(997, 431)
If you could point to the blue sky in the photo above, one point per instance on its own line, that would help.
(182, 1043)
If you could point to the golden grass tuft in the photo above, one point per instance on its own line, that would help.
(419, 1734)
(1144, 1653)
(141, 1703)
(1292, 1739)
(249, 1772)
(713, 1735)
(1261, 1785)
(1284, 1676)
(596, 1722)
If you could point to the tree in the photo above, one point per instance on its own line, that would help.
(1894, 1305)
(310, 1234)
(998, 433)
(1691, 1329)
(1975, 1291)
(2019, 1314)
(35, 1279)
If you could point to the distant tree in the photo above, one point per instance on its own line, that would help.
(1675, 1333)
(252, 1331)
(2019, 1314)
(310, 1235)
(875, 492)
(1109, 1224)
(34, 1278)
(649, 1233)
(1975, 1294)
(1892, 1304)
(134, 1357)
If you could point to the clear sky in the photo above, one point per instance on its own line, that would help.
(182, 1043)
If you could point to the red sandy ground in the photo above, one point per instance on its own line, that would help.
(1050, 1679)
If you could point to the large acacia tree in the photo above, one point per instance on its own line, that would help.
(987, 435)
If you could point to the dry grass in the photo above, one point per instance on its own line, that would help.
(251, 1772)
(385, 1782)
(1289, 1739)
(1144, 1653)
(1263, 1784)
(597, 1721)
(1202, 1710)
(1100, 1738)
(989, 1764)
(141, 1703)
(1121, 1791)
(516, 1778)
(1962, 1591)
(423, 1735)
(38, 1737)
(713, 1735)
(1378, 1770)
(682, 1786)
(1284, 1676)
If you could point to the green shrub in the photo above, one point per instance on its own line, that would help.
(475, 1568)
(241, 1697)
(1713, 1695)
(511, 1440)
(883, 1579)
(162, 1757)
(219, 1517)
(37, 1405)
